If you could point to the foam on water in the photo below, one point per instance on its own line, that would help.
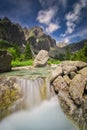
(47, 116)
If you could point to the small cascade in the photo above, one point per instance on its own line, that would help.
(33, 91)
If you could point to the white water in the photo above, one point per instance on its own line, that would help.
(34, 91)
(47, 116)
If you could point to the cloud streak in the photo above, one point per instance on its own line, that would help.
(73, 16)
(45, 16)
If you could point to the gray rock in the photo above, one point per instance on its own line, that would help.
(72, 75)
(67, 79)
(76, 88)
(5, 61)
(78, 64)
(56, 72)
(67, 69)
(41, 59)
(59, 84)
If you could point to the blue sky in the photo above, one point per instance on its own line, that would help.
(64, 20)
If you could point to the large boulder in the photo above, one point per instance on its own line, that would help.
(5, 61)
(78, 64)
(76, 88)
(41, 59)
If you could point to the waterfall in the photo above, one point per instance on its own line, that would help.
(33, 91)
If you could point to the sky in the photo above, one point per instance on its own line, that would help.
(64, 20)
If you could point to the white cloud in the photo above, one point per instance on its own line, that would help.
(52, 27)
(45, 16)
(73, 16)
(66, 40)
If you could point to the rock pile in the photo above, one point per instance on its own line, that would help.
(70, 83)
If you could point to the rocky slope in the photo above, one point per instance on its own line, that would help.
(38, 39)
(14, 33)
(69, 81)
(11, 32)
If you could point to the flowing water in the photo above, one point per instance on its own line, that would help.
(42, 110)
(47, 116)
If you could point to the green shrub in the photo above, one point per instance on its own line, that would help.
(81, 54)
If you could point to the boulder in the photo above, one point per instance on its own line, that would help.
(72, 74)
(78, 64)
(5, 61)
(76, 88)
(59, 84)
(56, 72)
(41, 59)
(67, 69)
(67, 79)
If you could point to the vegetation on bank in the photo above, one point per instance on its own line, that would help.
(18, 63)
(25, 58)
(80, 55)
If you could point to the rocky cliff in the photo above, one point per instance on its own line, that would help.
(14, 33)
(11, 32)
(38, 39)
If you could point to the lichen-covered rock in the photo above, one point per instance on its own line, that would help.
(5, 61)
(59, 84)
(78, 64)
(56, 72)
(67, 79)
(72, 74)
(67, 69)
(41, 59)
(83, 72)
(9, 93)
(76, 88)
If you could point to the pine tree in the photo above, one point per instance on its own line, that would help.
(27, 53)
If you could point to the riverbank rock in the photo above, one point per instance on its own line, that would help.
(71, 87)
(5, 61)
(9, 93)
(41, 59)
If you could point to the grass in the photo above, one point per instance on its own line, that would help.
(53, 61)
(22, 63)
(18, 63)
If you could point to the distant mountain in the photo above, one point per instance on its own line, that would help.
(59, 53)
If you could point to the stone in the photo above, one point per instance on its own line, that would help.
(72, 75)
(83, 72)
(67, 79)
(59, 84)
(76, 88)
(41, 59)
(78, 64)
(5, 61)
(66, 103)
(10, 92)
(67, 69)
(56, 72)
